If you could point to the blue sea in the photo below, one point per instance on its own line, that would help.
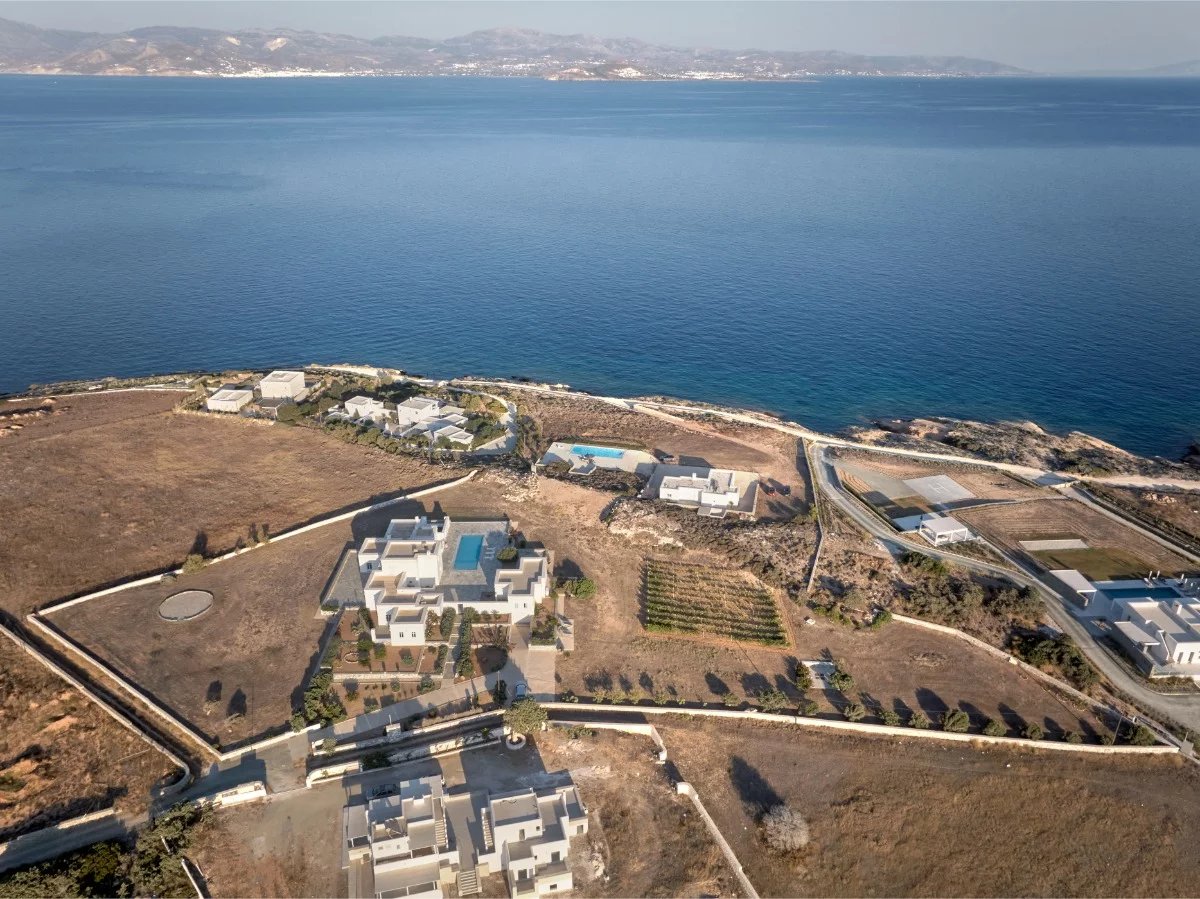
(832, 251)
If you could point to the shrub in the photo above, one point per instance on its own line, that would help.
(351, 692)
(583, 588)
(808, 708)
(525, 717)
(1033, 731)
(446, 625)
(919, 720)
(955, 721)
(370, 704)
(507, 554)
(882, 617)
(994, 728)
(466, 665)
(772, 700)
(1108, 738)
(803, 678)
(784, 829)
(660, 697)
(1073, 738)
(379, 651)
(406, 656)
(1142, 736)
(731, 701)
(194, 562)
(427, 685)
(854, 711)
(328, 744)
(841, 679)
(374, 760)
(890, 717)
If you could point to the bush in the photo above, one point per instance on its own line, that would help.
(525, 717)
(994, 728)
(426, 685)
(406, 656)
(1033, 731)
(731, 701)
(193, 563)
(466, 665)
(379, 651)
(446, 625)
(1060, 652)
(890, 717)
(841, 679)
(500, 693)
(919, 720)
(508, 554)
(955, 721)
(375, 760)
(882, 617)
(1108, 738)
(784, 829)
(854, 711)
(768, 700)
(370, 704)
(583, 588)
(1073, 738)
(1142, 736)
(808, 708)
(803, 678)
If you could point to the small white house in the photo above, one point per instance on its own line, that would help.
(942, 529)
(228, 399)
(283, 385)
(364, 408)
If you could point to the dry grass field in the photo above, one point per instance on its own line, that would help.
(60, 754)
(118, 485)
(1116, 547)
(1177, 508)
(892, 818)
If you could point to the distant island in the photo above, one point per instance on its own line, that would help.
(499, 52)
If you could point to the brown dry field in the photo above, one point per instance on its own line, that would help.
(769, 453)
(890, 818)
(1054, 518)
(118, 485)
(1181, 509)
(72, 757)
(985, 483)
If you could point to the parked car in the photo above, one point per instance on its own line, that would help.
(521, 691)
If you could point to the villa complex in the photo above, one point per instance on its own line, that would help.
(418, 416)
(1156, 620)
(419, 566)
(279, 388)
(420, 841)
(712, 492)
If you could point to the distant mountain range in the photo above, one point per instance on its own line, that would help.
(165, 50)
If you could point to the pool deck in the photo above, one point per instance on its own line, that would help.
(466, 585)
(636, 461)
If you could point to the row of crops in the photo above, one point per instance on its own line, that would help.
(698, 599)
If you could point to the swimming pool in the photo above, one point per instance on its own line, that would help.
(600, 452)
(1135, 592)
(470, 548)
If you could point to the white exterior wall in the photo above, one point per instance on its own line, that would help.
(228, 405)
(288, 387)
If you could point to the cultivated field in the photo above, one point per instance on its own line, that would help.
(1113, 548)
(920, 819)
(60, 754)
(117, 486)
(704, 599)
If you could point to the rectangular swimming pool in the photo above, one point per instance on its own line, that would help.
(600, 452)
(470, 548)
(1147, 592)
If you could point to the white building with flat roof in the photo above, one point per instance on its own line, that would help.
(363, 408)
(713, 492)
(940, 530)
(401, 843)
(283, 385)
(421, 842)
(229, 399)
(421, 566)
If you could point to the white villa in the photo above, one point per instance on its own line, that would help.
(283, 385)
(420, 566)
(1155, 619)
(229, 399)
(939, 530)
(421, 841)
(418, 416)
(713, 492)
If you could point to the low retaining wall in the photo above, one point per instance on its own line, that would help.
(686, 789)
(878, 730)
(377, 676)
(247, 792)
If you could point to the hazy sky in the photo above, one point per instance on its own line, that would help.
(1044, 36)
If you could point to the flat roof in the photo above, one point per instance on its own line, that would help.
(940, 488)
(226, 394)
(943, 524)
(1074, 580)
(1135, 634)
(283, 375)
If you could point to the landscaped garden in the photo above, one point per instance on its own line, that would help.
(702, 599)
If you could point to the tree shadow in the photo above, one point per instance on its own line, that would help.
(213, 693)
(646, 682)
(1052, 728)
(199, 545)
(716, 686)
(753, 682)
(929, 702)
(237, 704)
(973, 712)
(600, 680)
(1012, 717)
(624, 682)
(567, 568)
(752, 788)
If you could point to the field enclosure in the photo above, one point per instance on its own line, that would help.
(702, 599)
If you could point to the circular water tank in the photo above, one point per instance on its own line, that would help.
(185, 605)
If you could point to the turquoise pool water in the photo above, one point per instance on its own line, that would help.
(600, 452)
(470, 548)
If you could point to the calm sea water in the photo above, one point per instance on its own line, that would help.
(831, 251)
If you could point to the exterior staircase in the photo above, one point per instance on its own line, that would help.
(486, 821)
(439, 831)
(468, 883)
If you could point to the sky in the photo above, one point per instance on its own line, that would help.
(1060, 36)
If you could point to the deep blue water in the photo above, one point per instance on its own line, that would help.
(831, 251)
